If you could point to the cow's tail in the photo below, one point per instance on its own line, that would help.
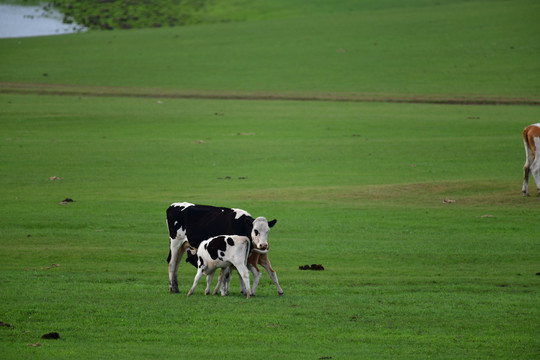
(526, 141)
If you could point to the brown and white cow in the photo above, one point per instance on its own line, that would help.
(256, 257)
(531, 140)
(223, 252)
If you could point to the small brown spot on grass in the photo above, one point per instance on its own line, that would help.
(316, 267)
(51, 336)
(66, 201)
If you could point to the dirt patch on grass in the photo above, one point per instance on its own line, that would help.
(108, 91)
(433, 194)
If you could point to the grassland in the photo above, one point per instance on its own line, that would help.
(358, 187)
(454, 49)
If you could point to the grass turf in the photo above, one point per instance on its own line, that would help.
(451, 49)
(357, 187)
(405, 274)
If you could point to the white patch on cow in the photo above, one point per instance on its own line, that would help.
(239, 213)
(181, 233)
(183, 205)
(537, 125)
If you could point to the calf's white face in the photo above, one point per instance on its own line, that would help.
(259, 233)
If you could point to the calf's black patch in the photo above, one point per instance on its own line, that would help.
(230, 241)
(215, 245)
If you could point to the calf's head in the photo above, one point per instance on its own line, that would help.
(192, 256)
(259, 233)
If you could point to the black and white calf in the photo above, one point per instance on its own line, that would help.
(254, 259)
(222, 252)
(189, 225)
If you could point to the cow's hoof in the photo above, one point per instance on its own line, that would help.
(280, 293)
(174, 290)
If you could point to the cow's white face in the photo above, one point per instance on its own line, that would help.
(259, 233)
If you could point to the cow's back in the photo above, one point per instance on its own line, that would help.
(201, 222)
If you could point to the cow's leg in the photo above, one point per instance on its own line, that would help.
(529, 160)
(525, 187)
(178, 247)
(265, 263)
(244, 274)
(219, 282)
(196, 280)
(535, 170)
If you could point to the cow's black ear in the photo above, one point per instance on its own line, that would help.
(272, 223)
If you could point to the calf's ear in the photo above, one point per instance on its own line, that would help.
(272, 223)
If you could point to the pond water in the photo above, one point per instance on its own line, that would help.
(22, 21)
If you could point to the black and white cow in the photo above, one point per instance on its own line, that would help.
(190, 224)
(222, 252)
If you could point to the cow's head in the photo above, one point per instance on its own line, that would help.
(259, 233)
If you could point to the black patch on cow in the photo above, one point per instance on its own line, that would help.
(230, 241)
(202, 222)
(216, 246)
(201, 262)
(221, 255)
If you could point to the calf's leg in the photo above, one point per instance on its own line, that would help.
(196, 280)
(256, 277)
(265, 263)
(209, 277)
(244, 273)
(224, 281)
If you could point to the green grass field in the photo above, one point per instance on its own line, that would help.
(356, 186)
